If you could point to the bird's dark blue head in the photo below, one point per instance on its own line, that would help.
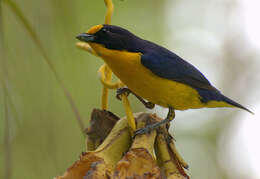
(112, 37)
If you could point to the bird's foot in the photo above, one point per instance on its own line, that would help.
(127, 91)
(148, 104)
(169, 138)
(121, 91)
(150, 127)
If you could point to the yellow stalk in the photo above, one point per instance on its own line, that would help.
(129, 113)
(101, 73)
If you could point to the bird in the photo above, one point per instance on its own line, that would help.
(154, 73)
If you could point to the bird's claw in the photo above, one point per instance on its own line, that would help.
(144, 130)
(121, 91)
(141, 131)
(151, 127)
(169, 139)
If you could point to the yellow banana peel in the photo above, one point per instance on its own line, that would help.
(149, 156)
(101, 162)
(167, 160)
(139, 161)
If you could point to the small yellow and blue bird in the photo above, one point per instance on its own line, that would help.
(154, 73)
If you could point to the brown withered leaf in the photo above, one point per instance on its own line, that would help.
(101, 123)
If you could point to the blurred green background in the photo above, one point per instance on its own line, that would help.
(39, 133)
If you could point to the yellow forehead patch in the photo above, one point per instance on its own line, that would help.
(94, 29)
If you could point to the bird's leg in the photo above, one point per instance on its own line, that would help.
(170, 116)
(127, 91)
(121, 91)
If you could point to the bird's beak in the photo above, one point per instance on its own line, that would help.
(86, 37)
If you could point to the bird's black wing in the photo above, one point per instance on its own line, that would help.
(166, 64)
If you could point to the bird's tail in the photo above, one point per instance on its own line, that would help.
(235, 104)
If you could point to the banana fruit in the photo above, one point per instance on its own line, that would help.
(117, 155)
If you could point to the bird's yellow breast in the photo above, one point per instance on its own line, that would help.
(128, 68)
